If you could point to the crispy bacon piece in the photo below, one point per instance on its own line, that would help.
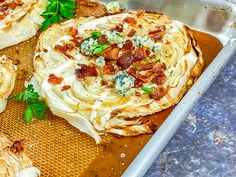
(118, 28)
(85, 71)
(139, 54)
(128, 45)
(162, 28)
(140, 13)
(130, 20)
(78, 41)
(137, 93)
(159, 68)
(147, 66)
(111, 54)
(11, 5)
(3, 8)
(60, 48)
(53, 79)
(149, 73)
(3, 15)
(147, 52)
(4, 12)
(158, 29)
(73, 32)
(157, 37)
(63, 49)
(154, 31)
(17, 147)
(159, 79)
(65, 87)
(132, 32)
(125, 60)
(136, 75)
(132, 72)
(158, 92)
(108, 68)
(103, 82)
(137, 84)
(45, 50)
(102, 39)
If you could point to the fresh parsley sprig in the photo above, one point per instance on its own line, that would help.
(95, 34)
(99, 48)
(35, 107)
(56, 10)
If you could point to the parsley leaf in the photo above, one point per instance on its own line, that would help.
(35, 107)
(148, 90)
(137, 68)
(99, 48)
(147, 60)
(96, 34)
(28, 115)
(159, 61)
(56, 10)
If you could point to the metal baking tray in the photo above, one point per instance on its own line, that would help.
(215, 17)
(58, 149)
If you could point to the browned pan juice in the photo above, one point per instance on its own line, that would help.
(59, 149)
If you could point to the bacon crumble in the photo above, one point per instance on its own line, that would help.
(111, 53)
(103, 82)
(139, 54)
(119, 27)
(85, 71)
(17, 147)
(73, 32)
(132, 32)
(158, 93)
(140, 13)
(130, 20)
(65, 87)
(64, 49)
(128, 45)
(108, 68)
(102, 39)
(159, 79)
(53, 79)
(125, 60)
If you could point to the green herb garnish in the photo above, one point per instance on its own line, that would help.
(99, 48)
(148, 90)
(35, 107)
(95, 34)
(159, 61)
(56, 10)
(148, 60)
(137, 68)
(118, 34)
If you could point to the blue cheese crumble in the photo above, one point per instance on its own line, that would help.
(143, 41)
(113, 37)
(113, 7)
(123, 82)
(87, 46)
(100, 61)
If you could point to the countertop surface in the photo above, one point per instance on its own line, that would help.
(205, 144)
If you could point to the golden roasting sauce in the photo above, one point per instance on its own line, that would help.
(57, 148)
